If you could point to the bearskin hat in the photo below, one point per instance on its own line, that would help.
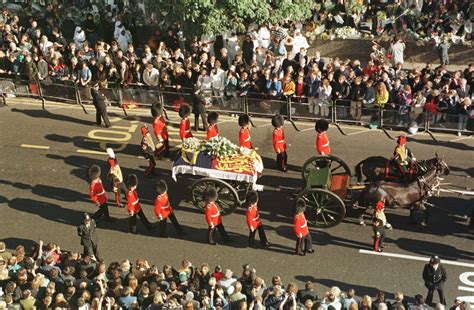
(300, 205)
(161, 187)
(278, 121)
(244, 120)
(94, 172)
(212, 117)
(132, 181)
(184, 110)
(211, 194)
(321, 125)
(156, 110)
(252, 197)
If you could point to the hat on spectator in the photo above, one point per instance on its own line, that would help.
(156, 110)
(161, 187)
(111, 153)
(278, 121)
(300, 206)
(321, 125)
(94, 172)
(212, 117)
(244, 120)
(184, 110)
(211, 194)
(132, 181)
(252, 197)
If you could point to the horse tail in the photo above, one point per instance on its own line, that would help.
(358, 171)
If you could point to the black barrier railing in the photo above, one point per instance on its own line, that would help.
(293, 108)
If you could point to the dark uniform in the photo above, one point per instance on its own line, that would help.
(98, 99)
(435, 276)
(199, 110)
(88, 236)
(379, 234)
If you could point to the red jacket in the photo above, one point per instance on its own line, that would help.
(97, 192)
(162, 206)
(301, 226)
(159, 128)
(185, 129)
(253, 217)
(322, 144)
(244, 138)
(279, 143)
(133, 203)
(213, 216)
(212, 131)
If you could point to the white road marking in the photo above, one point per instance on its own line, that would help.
(419, 258)
(31, 146)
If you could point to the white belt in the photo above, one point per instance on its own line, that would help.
(304, 225)
(165, 207)
(327, 144)
(101, 193)
(279, 141)
(215, 215)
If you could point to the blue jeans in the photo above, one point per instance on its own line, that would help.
(462, 122)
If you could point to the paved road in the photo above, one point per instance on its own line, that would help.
(43, 193)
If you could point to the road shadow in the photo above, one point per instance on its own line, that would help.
(12, 242)
(53, 192)
(52, 116)
(428, 248)
(270, 164)
(446, 144)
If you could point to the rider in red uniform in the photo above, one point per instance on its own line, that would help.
(322, 141)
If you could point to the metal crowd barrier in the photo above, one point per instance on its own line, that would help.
(293, 108)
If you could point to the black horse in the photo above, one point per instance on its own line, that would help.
(378, 168)
(412, 195)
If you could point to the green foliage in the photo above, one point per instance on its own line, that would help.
(217, 16)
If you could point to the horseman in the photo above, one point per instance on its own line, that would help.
(403, 157)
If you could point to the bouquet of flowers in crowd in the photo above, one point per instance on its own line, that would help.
(220, 146)
(191, 144)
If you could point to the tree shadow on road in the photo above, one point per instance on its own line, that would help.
(52, 116)
(53, 192)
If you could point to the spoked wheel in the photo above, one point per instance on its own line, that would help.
(336, 165)
(324, 209)
(227, 199)
(241, 188)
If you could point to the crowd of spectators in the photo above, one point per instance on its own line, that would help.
(271, 62)
(46, 277)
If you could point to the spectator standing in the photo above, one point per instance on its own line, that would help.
(89, 238)
(397, 48)
(434, 275)
(308, 293)
(442, 50)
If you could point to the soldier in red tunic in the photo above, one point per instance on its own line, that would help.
(254, 222)
(212, 130)
(304, 243)
(161, 133)
(148, 149)
(115, 177)
(322, 142)
(164, 210)
(133, 205)
(279, 143)
(185, 124)
(97, 194)
(244, 133)
(213, 217)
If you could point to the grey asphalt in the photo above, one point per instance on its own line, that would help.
(43, 193)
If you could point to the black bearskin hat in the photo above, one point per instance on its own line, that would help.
(244, 120)
(184, 110)
(211, 194)
(321, 125)
(132, 181)
(161, 187)
(156, 110)
(300, 206)
(94, 172)
(278, 121)
(212, 117)
(252, 197)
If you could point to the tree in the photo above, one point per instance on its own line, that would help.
(217, 16)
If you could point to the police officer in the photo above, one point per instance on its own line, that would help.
(98, 99)
(88, 236)
(435, 276)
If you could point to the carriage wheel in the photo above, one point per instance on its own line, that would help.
(336, 165)
(227, 200)
(324, 209)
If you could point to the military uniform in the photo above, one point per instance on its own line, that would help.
(403, 156)
(133, 206)
(322, 141)
(212, 131)
(148, 149)
(254, 222)
(98, 194)
(98, 100)
(115, 177)
(214, 218)
(185, 124)
(160, 131)
(244, 133)
(163, 210)
(279, 143)
(304, 244)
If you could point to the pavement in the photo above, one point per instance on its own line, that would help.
(44, 192)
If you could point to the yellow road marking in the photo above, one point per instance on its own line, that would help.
(105, 135)
(91, 152)
(31, 146)
(129, 128)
